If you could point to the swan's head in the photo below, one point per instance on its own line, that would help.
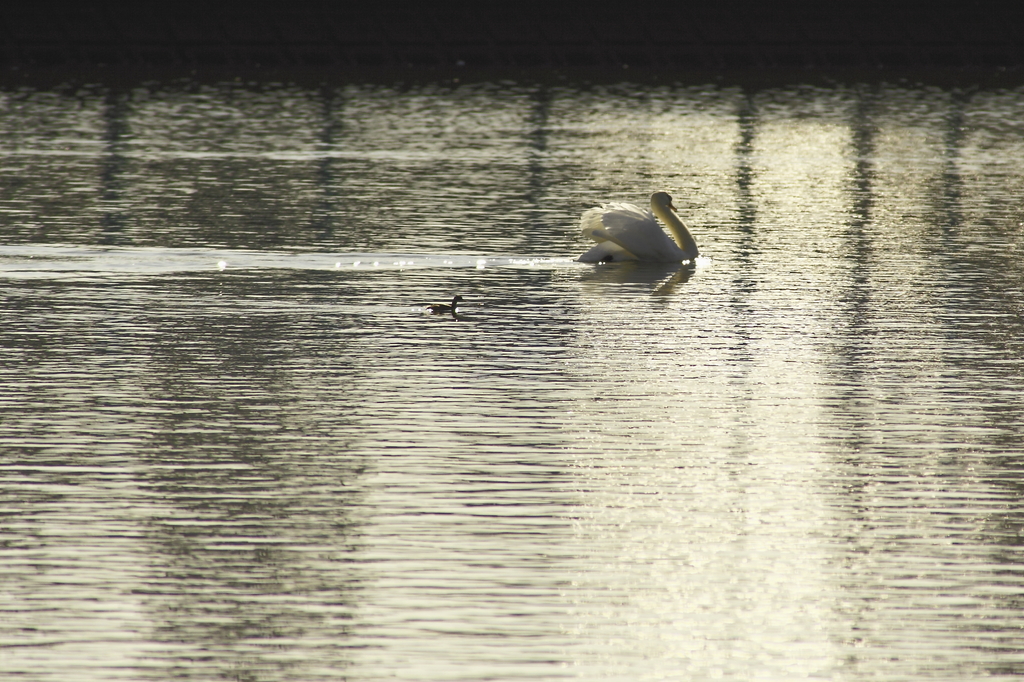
(661, 200)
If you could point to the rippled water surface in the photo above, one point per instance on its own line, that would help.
(233, 446)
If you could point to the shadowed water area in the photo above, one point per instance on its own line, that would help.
(233, 445)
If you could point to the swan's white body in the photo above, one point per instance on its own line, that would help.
(628, 232)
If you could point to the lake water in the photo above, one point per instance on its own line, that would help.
(234, 447)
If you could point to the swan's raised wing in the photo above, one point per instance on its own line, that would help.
(616, 218)
(626, 232)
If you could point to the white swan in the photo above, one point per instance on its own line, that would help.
(628, 232)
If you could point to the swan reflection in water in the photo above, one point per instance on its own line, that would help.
(625, 232)
(663, 278)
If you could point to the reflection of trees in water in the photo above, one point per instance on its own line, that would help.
(853, 349)
(981, 282)
(48, 181)
(326, 177)
(746, 252)
(112, 167)
(952, 349)
(537, 172)
(952, 273)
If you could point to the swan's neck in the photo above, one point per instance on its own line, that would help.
(682, 236)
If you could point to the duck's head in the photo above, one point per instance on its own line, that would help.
(456, 300)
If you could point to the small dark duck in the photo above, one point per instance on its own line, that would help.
(440, 308)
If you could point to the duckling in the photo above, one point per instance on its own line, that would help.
(439, 308)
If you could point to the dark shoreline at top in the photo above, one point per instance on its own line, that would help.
(126, 77)
(747, 43)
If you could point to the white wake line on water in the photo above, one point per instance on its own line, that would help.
(51, 261)
(99, 151)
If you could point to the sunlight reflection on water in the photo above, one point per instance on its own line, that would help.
(235, 446)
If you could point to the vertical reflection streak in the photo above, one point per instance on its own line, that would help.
(951, 194)
(747, 208)
(111, 185)
(744, 284)
(746, 118)
(332, 102)
(857, 299)
(537, 139)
